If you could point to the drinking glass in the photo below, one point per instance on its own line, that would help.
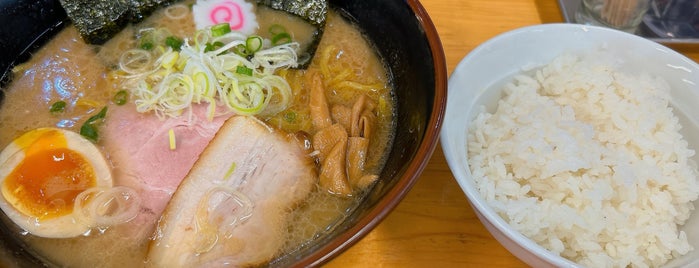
(623, 15)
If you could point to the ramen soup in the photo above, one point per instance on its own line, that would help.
(179, 145)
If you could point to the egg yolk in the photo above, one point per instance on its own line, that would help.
(45, 184)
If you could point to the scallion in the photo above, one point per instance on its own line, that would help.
(121, 97)
(174, 42)
(241, 50)
(276, 29)
(290, 117)
(57, 107)
(146, 39)
(146, 45)
(253, 44)
(281, 38)
(220, 29)
(89, 128)
(208, 47)
(243, 70)
(279, 35)
(211, 47)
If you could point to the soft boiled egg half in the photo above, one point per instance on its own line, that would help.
(42, 173)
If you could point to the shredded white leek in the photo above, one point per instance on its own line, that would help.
(171, 139)
(168, 82)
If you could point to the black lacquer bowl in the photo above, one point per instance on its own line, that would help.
(405, 37)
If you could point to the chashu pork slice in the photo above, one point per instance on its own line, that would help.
(232, 208)
(142, 159)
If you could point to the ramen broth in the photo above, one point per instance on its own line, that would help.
(67, 69)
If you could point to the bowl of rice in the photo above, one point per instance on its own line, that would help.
(576, 146)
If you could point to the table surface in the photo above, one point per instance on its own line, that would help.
(434, 224)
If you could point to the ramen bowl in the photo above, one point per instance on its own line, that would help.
(405, 39)
(477, 85)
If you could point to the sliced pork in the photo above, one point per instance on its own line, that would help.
(139, 150)
(232, 207)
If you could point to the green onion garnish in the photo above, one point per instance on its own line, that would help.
(146, 45)
(279, 35)
(281, 38)
(243, 70)
(147, 39)
(220, 29)
(208, 47)
(211, 47)
(57, 107)
(121, 97)
(253, 44)
(241, 50)
(290, 117)
(174, 42)
(277, 29)
(89, 128)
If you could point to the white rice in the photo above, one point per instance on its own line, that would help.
(589, 163)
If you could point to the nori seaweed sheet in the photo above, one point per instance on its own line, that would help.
(313, 11)
(99, 20)
(143, 8)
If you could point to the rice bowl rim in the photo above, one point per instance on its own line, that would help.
(546, 41)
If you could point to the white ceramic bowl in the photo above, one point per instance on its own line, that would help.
(477, 81)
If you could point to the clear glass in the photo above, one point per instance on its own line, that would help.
(673, 18)
(623, 15)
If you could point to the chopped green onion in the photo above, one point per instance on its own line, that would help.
(243, 70)
(147, 39)
(211, 47)
(281, 38)
(174, 42)
(277, 29)
(253, 44)
(241, 50)
(89, 128)
(147, 45)
(121, 97)
(95, 119)
(290, 117)
(57, 107)
(279, 35)
(208, 47)
(220, 29)
(89, 132)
